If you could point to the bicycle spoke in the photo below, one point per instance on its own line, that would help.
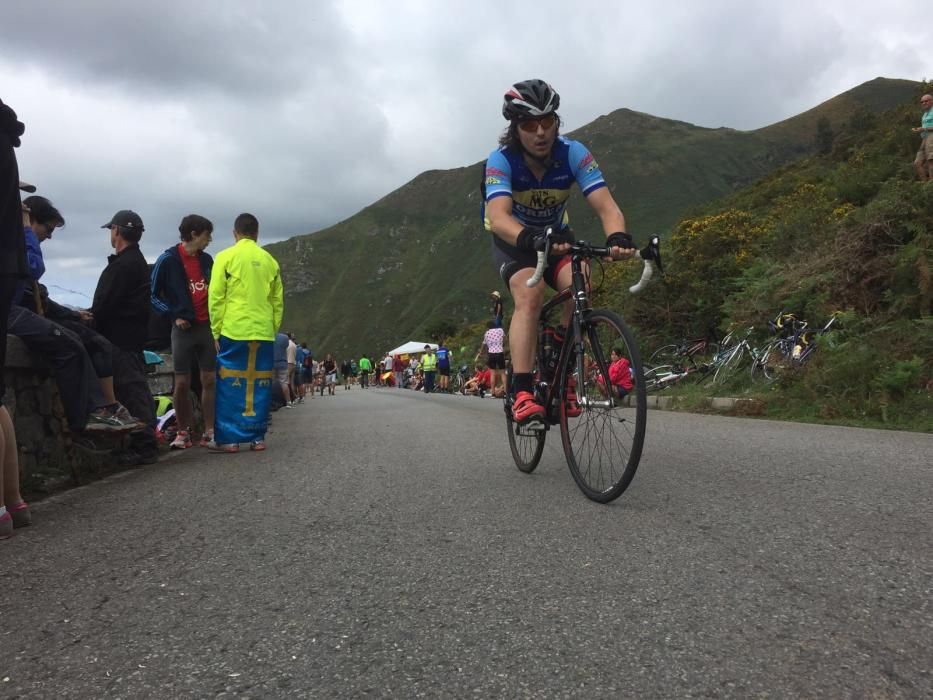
(603, 443)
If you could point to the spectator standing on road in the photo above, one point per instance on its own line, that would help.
(330, 374)
(121, 312)
(365, 368)
(245, 300)
(178, 289)
(292, 356)
(398, 371)
(280, 363)
(429, 368)
(923, 163)
(444, 357)
(345, 374)
(14, 512)
(494, 345)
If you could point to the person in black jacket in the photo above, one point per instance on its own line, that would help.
(121, 314)
(178, 290)
(13, 509)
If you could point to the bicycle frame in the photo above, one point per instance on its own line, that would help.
(573, 341)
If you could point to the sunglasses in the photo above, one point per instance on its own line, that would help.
(531, 125)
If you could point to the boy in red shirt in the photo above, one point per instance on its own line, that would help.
(180, 279)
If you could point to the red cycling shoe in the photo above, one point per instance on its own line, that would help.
(526, 408)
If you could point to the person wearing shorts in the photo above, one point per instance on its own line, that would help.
(493, 343)
(179, 283)
(526, 187)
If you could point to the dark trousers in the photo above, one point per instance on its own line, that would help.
(428, 382)
(364, 379)
(132, 390)
(97, 346)
(71, 365)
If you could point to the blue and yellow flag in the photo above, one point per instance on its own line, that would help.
(244, 390)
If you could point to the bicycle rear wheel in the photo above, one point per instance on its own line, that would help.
(525, 443)
(603, 443)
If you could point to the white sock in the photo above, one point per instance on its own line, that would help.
(2, 511)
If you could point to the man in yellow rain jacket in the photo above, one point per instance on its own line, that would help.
(245, 304)
(429, 367)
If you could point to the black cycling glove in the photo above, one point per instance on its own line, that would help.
(535, 239)
(620, 240)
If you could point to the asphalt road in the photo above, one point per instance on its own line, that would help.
(384, 545)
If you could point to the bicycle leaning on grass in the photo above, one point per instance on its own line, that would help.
(603, 432)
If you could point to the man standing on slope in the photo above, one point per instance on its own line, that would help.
(245, 302)
(923, 163)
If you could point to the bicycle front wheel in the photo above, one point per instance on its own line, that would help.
(604, 432)
(526, 443)
(729, 364)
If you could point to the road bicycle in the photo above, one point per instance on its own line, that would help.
(603, 434)
(664, 376)
(790, 352)
(730, 358)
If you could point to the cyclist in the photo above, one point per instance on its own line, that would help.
(527, 183)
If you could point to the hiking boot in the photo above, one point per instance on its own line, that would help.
(182, 440)
(20, 514)
(206, 438)
(572, 409)
(526, 408)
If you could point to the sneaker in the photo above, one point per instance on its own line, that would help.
(123, 413)
(21, 515)
(206, 438)
(526, 409)
(214, 446)
(103, 420)
(182, 441)
(257, 445)
(572, 409)
(6, 525)
(288, 405)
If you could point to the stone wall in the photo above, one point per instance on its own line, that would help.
(50, 457)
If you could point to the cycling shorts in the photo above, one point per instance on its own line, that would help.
(510, 260)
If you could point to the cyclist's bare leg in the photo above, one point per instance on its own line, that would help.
(564, 279)
(523, 329)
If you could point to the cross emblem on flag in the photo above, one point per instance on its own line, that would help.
(251, 375)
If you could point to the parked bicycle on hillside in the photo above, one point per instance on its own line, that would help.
(791, 351)
(603, 429)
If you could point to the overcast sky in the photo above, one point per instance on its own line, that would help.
(305, 112)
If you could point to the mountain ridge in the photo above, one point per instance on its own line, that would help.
(395, 269)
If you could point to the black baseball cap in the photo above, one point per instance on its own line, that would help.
(126, 218)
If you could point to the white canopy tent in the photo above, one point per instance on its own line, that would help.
(410, 348)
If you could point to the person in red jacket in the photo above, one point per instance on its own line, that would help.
(620, 376)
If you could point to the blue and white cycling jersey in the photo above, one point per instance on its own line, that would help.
(541, 203)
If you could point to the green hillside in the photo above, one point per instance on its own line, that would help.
(418, 259)
(846, 232)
